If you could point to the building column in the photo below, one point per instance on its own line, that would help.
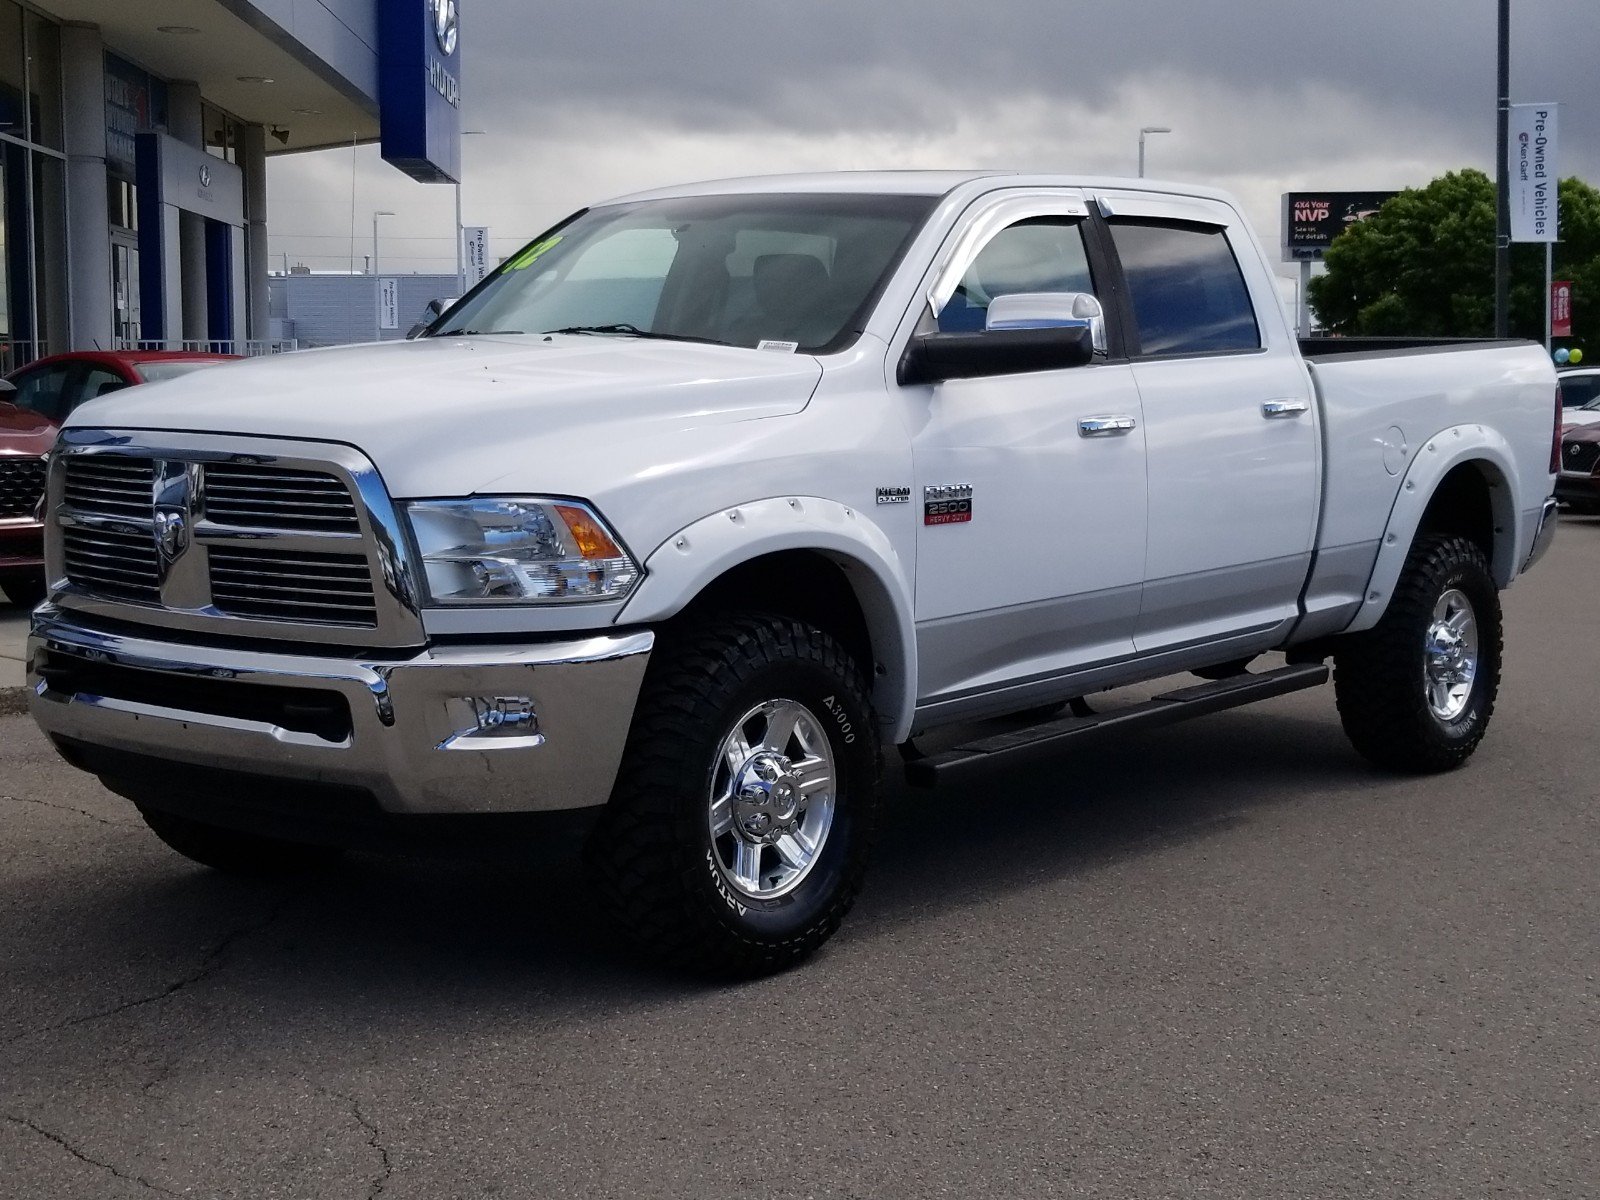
(90, 302)
(253, 161)
(185, 123)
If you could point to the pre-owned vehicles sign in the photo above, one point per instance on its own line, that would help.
(1311, 220)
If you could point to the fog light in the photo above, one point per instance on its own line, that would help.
(498, 722)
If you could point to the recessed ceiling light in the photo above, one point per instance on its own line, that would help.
(253, 79)
(178, 29)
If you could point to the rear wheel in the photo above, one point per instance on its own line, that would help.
(233, 851)
(1416, 692)
(737, 834)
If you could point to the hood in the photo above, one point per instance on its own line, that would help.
(449, 416)
(24, 432)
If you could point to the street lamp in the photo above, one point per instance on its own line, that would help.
(1148, 129)
(382, 212)
(461, 233)
(377, 284)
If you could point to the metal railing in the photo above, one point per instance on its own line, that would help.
(253, 348)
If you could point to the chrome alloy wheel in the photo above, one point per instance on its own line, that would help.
(772, 799)
(1450, 656)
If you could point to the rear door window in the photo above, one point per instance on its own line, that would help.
(1188, 291)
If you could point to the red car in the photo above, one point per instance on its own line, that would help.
(34, 401)
(1578, 484)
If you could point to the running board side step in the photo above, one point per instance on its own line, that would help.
(1166, 709)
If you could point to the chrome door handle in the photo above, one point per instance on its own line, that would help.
(1284, 408)
(1105, 426)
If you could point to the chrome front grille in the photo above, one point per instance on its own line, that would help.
(111, 486)
(233, 535)
(21, 485)
(1580, 456)
(257, 497)
(118, 562)
(281, 585)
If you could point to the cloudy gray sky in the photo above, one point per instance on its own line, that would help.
(583, 99)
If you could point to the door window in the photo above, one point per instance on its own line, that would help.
(1188, 292)
(97, 381)
(1042, 254)
(44, 390)
(1578, 391)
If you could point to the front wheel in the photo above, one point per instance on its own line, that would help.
(737, 834)
(1416, 692)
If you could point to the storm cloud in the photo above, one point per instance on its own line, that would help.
(581, 99)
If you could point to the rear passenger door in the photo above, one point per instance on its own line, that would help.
(1230, 425)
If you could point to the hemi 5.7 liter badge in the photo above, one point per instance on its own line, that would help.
(947, 504)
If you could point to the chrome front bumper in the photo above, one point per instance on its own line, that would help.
(454, 729)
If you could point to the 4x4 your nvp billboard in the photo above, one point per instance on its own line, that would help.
(1311, 220)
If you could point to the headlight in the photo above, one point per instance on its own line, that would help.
(515, 549)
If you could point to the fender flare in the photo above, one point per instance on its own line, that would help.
(686, 563)
(1439, 455)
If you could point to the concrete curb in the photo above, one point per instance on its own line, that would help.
(13, 702)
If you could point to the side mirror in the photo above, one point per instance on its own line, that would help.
(432, 313)
(1049, 310)
(933, 357)
(7, 390)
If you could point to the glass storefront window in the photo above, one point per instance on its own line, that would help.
(44, 82)
(13, 72)
(33, 250)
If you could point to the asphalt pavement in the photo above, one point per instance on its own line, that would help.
(1225, 959)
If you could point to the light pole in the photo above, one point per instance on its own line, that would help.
(377, 285)
(1148, 129)
(461, 265)
(1502, 189)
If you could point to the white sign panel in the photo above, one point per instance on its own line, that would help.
(389, 303)
(477, 253)
(1532, 171)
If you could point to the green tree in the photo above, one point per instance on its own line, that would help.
(1423, 266)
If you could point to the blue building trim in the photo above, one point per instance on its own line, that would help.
(419, 88)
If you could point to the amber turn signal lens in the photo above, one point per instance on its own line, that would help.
(593, 541)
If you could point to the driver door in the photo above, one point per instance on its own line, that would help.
(1039, 575)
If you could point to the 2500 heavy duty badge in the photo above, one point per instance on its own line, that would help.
(947, 504)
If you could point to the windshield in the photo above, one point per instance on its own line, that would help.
(155, 372)
(791, 271)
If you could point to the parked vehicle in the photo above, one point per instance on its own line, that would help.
(1578, 484)
(34, 401)
(710, 490)
(1580, 395)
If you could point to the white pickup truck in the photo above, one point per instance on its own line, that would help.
(710, 490)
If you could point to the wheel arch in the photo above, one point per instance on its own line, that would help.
(1462, 482)
(807, 557)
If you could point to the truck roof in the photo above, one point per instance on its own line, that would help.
(911, 183)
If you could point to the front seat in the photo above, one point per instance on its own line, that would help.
(791, 291)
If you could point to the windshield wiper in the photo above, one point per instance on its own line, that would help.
(472, 332)
(627, 330)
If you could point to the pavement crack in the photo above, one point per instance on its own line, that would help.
(375, 1140)
(208, 966)
(67, 808)
(52, 1136)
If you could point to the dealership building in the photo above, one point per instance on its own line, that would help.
(134, 137)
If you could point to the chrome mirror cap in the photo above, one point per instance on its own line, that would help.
(1049, 310)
